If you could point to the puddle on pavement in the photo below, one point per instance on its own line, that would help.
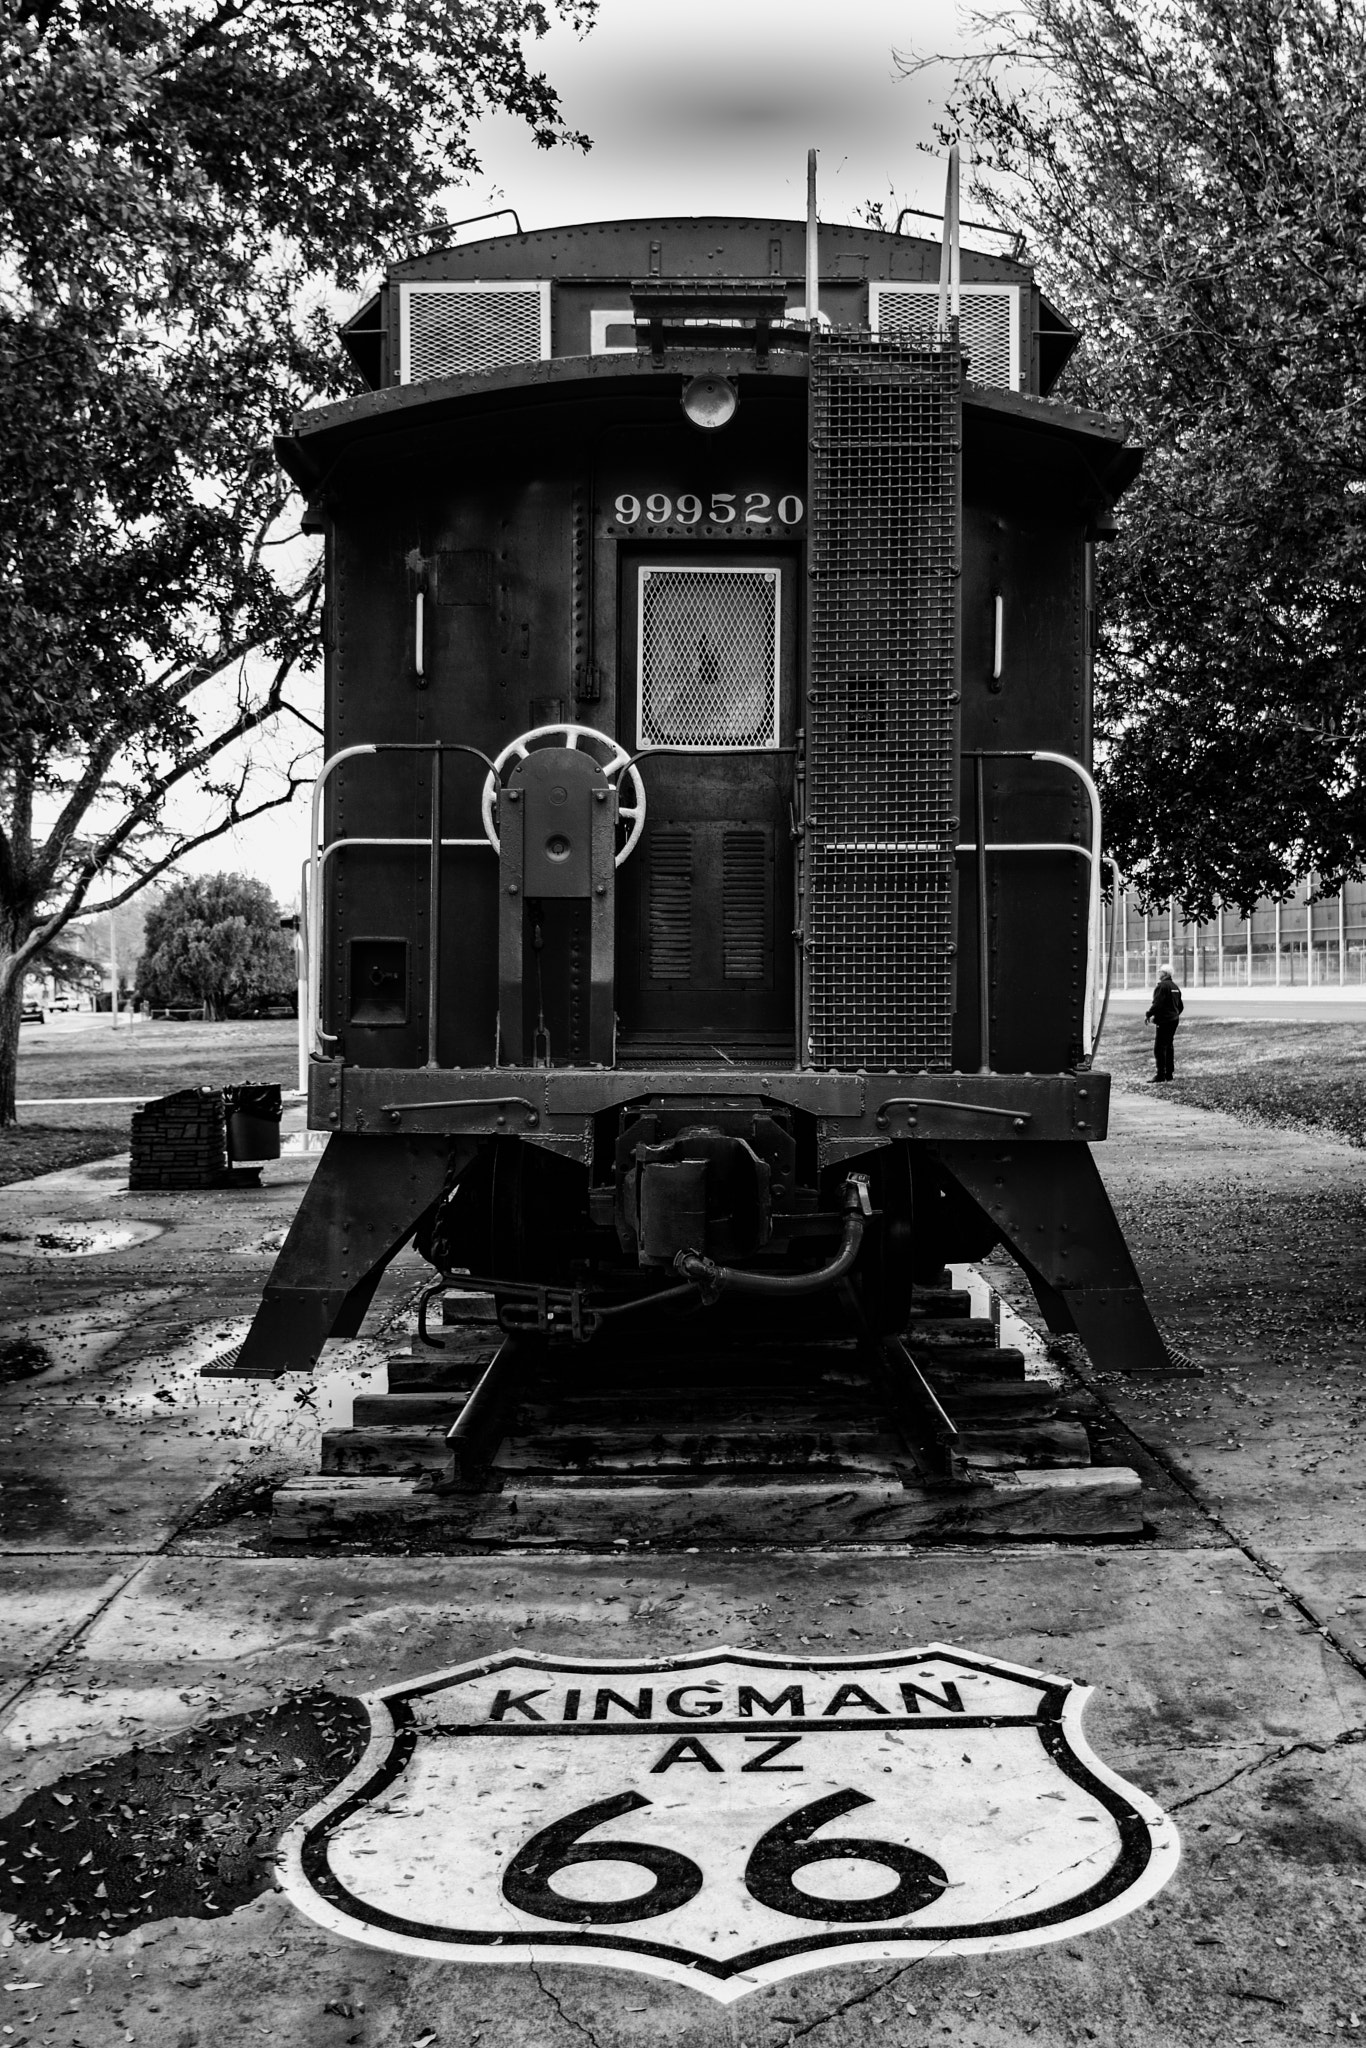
(54, 1237)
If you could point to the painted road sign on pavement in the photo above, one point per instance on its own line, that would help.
(726, 1819)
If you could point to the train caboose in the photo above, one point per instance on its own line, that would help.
(706, 866)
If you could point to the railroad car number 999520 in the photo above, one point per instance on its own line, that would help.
(723, 508)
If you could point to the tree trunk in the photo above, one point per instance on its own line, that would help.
(11, 1007)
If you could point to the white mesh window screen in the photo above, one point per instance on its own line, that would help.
(709, 658)
(988, 325)
(451, 330)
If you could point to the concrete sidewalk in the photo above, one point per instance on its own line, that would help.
(143, 1613)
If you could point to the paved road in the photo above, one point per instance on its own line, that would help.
(143, 1615)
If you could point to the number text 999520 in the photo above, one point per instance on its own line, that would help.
(721, 508)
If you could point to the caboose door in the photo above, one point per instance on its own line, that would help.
(708, 669)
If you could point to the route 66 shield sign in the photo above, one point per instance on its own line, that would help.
(726, 1819)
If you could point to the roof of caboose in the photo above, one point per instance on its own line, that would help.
(591, 259)
(674, 246)
(617, 252)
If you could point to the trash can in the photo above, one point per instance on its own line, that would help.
(253, 1120)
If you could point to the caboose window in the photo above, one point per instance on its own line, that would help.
(456, 330)
(709, 647)
(988, 328)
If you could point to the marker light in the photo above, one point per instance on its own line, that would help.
(710, 402)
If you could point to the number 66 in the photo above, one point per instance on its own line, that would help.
(773, 1863)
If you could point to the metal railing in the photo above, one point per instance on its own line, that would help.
(320, 855)
(981, 846)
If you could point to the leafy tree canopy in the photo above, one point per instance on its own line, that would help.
(215, 940)
(182, 183)
(1192, 175)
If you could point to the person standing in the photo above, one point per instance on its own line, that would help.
(1165, 1013)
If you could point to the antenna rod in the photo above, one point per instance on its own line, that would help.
(813, 276)
(950, 262)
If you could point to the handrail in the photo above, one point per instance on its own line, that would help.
(1113, 866)
(325, 854)
(1027, 846)
(304, 975)
(1084, 776)
(318, 855)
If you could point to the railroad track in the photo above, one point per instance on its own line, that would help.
(715, 1430)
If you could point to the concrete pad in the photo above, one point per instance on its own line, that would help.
(1248, 1736)
(1249, 1244)
(1216, 1688)
(123, 1462)
(42, 1613)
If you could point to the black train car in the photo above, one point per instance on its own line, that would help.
(740, 664)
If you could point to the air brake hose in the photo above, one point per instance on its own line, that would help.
(714, 1280)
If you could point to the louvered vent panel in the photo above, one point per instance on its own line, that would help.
(708, 658)
(986, 326)
(455, 330)
(744, 897)
(670, 912)
(882, 723)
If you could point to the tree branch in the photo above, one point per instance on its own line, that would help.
(186, 846)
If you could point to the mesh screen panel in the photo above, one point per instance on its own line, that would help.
(882, 723)
(451, 331)
(708, 657)
(986, 326)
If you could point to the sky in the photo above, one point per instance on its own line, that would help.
(705, 108)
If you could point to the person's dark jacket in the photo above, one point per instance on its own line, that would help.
(1166, 1005)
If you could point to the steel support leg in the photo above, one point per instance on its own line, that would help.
(1049, 1203)
(360, 1208)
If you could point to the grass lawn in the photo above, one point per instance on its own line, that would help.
(143, 1059)
(1283, 1071)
